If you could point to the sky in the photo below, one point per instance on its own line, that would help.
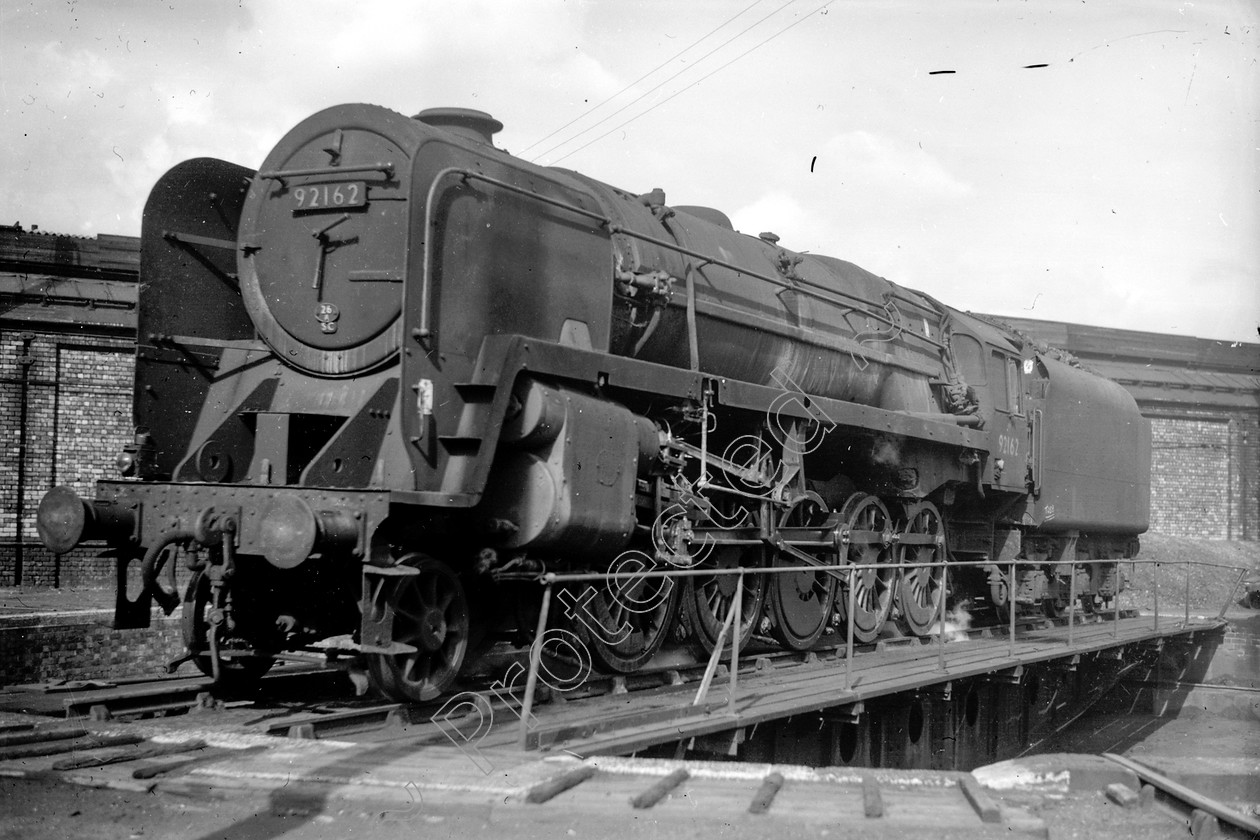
(1090, 162)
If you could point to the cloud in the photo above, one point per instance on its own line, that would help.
(870, 199)
(1128, 162)
(892, 169)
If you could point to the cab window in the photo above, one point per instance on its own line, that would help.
(1014, 392)
(998, 376)
(970, 358)
(1008, 395)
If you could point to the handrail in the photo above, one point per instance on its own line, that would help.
(385, 168)
(574, 577)
(732, 622)
(811, 288)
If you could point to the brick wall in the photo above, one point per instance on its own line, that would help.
(82, 645)
(1237, 661)
(1189, 460)
(1244, 494)
(89, 566)
(1205, 474)
(77, 399)
(93, 419)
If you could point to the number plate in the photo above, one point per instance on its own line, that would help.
(315, 197)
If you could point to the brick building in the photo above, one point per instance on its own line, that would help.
(67, 344)
(67, 338)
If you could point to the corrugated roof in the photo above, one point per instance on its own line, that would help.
(1175, 377)
(45, 287)
(36, 300)
(1092, 343)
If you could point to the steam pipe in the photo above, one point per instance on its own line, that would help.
(152, 564)
(974, 421)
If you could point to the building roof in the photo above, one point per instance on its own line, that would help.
(40, 301)
(75, 284)
(1158, 368)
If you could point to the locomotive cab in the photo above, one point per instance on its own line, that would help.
(997, 370)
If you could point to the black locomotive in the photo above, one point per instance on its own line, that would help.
(387, 379)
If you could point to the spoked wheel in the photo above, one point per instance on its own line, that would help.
(624, 622)
(201, 617)
(430, 614)
(709, 599)
(868, 530)
(919, 589)
(801, 602)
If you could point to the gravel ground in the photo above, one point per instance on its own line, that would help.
(1210, 587)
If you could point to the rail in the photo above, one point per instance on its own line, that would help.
(1190, 805)
(732, 620)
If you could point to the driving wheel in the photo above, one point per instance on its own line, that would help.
(709, 599)
(919, 589)
(624, 622)
(430, 615)
(801, 602)
(866, 536)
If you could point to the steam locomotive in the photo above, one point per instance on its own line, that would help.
(390, 378)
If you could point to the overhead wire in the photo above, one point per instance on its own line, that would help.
(619, 126)
(652, 90)
(667, 61)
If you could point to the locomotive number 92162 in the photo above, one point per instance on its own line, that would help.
(329, 196)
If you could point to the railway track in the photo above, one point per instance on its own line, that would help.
(335, 713)
(594, 716)
(387, 719)
(868, 802)
(1203, 816)
(532, 792)
(127, 700)
(613, 716)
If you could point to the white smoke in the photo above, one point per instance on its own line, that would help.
(957, 623)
